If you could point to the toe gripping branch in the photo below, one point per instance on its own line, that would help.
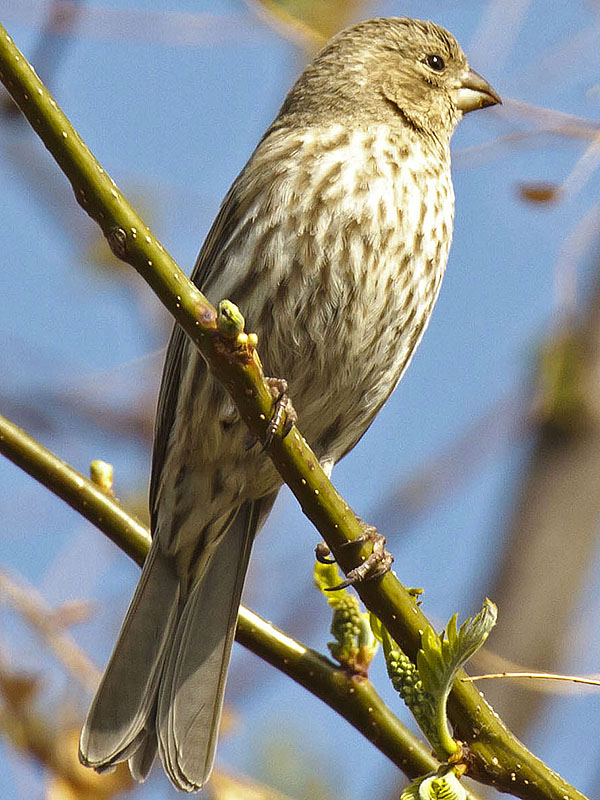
(284, 414)
(374, 566)
(230, 325)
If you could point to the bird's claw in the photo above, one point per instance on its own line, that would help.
(374, 566)
(323, 553)
(284, 414)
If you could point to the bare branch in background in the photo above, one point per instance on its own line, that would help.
(552, 538)
(185, 29)
(51, 625)
(309, 23)
(55, 36)
(498, 30)
(52, 743)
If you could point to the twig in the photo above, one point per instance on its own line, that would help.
(285, 24)
(31, 605)
(547, 676)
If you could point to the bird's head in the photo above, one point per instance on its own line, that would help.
(390, 68)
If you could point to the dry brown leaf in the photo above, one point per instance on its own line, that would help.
(538, 192)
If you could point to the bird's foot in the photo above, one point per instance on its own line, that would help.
(374, 566)
(284, 414)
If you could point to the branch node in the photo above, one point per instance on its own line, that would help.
(117, 241)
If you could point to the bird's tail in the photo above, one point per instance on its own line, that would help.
(164, 684)
(116, 723)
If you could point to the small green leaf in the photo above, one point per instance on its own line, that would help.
(440, 659)
(326, 576)
(442, 787)
(376, 627)
(411, 792)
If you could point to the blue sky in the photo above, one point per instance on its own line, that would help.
(173, 124)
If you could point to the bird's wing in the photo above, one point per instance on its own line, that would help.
(208, 263)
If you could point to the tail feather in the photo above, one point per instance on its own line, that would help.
(164, 684)
(140, 762)
(117, 722)
(190, 698)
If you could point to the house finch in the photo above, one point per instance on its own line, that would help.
(333, 240)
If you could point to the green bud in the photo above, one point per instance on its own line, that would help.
(102, 474)
(354, 645)
(230, 320)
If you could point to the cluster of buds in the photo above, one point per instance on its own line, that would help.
(407, 682)
(354, 644)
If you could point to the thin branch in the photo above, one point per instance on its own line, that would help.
(82, 495)
(29, 603)
(353, 697)
(546, 676)
(493, 752)
(285, 24)
(128, 25)
(487, 662)
(549, 120)
(53, 744)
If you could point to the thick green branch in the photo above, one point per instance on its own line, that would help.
(496, 756)
(353, 697)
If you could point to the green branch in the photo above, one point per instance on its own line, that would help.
(495, 755)
(351, 696)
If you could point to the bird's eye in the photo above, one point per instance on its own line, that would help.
(435, 62)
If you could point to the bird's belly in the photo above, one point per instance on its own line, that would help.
(343, 327)
(345, 354)
(355, 255)
(336, 264)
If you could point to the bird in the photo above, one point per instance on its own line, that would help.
(333, 241)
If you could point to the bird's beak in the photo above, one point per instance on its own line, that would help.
(474, 92)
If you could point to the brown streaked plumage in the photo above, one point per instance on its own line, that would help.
(333, 241)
